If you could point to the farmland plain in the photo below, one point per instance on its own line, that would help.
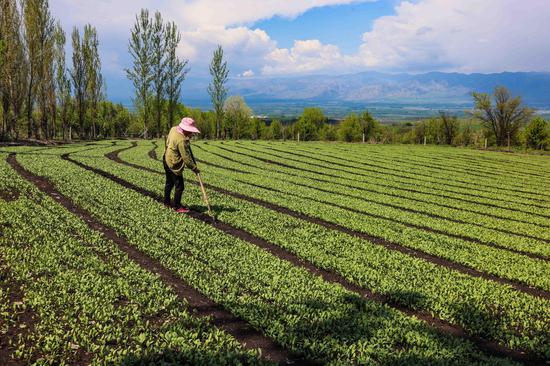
(321, 253)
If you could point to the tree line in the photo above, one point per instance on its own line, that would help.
(42, 95)
(45, 97)
(497, 120)
(157, 72)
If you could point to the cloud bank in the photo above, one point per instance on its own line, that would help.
(425, 35)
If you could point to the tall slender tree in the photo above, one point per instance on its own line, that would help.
(217, 89)
(176, 70)
(78, 76)
(13, 67)
(30, 11)
(62, 81)
(158, 65)
(39, 27)
(93, 77)
(141, 50)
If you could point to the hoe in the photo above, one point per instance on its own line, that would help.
(205, 196)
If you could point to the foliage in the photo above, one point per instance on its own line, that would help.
(217, 89)
(311, 120)
(176, 70)
(503, 119)
(141, 50)
(449, 127)
(237, 118)
(537, 134)
(350, 129)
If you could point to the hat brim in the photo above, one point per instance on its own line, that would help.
(190, 129)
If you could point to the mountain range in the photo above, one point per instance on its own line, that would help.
(368, 88)
(533, 87)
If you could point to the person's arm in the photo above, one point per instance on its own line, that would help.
(185, 152)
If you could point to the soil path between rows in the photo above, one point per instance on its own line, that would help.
(24, 325)
(489, 347)
(411, 225)
(373, 239)
(199, 304)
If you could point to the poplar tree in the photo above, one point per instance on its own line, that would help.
(158, 67)
(141, 50)
(13, 68)
(62, 81)
(93, 77)
(78, 77)
(176, 70)
(217, 89)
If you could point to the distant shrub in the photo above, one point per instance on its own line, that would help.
(537, 134)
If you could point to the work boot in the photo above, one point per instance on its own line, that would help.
(182, 210)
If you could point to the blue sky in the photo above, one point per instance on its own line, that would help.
(267, 38)
(341, 25)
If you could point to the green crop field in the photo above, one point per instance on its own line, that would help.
(319, 253)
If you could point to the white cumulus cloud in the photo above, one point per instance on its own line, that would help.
(461, 35)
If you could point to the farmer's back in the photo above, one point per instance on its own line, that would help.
(177, 151)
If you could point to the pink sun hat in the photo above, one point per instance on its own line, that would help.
(188, 124)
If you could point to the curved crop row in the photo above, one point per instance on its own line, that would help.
(395, 213)
(388, 170)
(92, 303)
(377, 182)
(443, 161)
(384, 271)
(322, 321)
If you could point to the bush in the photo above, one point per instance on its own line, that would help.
(537, 134)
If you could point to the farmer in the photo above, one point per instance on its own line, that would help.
(178, 155)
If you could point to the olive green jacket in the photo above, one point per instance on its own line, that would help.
(177, 152)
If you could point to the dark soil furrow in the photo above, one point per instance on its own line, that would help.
(199, 304)
(25, 321)
(419, 227)
(489, 347)
(390, 245)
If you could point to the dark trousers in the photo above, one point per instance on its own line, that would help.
(172, 180)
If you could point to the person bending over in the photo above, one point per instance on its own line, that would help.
(177, 155)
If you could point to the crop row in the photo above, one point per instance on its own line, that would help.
(403, 279)
(92, 304)
(331, 199)
(522, 163)
(323, 321)
(439, 159)
(450, 159)
(514, 234)
(388, 170)
(385, 185)
(513, 194)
